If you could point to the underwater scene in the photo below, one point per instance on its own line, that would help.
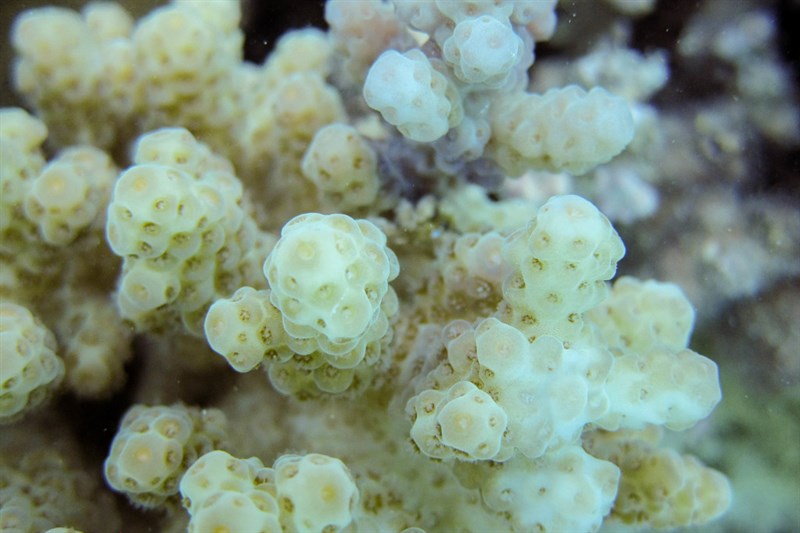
(399, 266)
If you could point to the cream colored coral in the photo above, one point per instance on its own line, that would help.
(661, 387)
(30, 370)
(463, 422)
(469, 209)
(247, 329)
(307, 50)
(178, 219)
(21, 162)
(285, 113)
(655, 379)
(549, 393)
(324, 319)
(343, 166)
(300, 493)
(329, 276)
(359, 32)
(563, 129)
(660, 488)
(223, 493)
(51, 214)
(154, 446)
(483, 50)
(639, 315)
(18, 126)
(108, 20)
(541, 394)
(568, 490)
(184, 55)
(228, 511)
(70, 193)
(76, 71)
(471, 271)
(316, 493)
(96, 344)
(561, 261)
(500, 403)
(410, 94)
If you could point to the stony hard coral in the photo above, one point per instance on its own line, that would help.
(440, 350)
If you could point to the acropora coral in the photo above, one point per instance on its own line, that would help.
(377, 261)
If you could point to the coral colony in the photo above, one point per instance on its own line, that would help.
(356, 283)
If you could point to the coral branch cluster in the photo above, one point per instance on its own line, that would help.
(438, 351)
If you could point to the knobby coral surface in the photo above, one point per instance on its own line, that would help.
(388, 262)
